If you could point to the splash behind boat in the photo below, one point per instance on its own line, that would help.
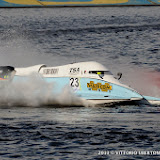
(88, 80)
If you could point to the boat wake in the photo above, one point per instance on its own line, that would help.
(35, 92)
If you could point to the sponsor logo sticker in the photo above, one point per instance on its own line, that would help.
(99, 86)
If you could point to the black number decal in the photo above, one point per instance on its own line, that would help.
(74, 82)
(77, 82)
(71, 82)
(74, 70)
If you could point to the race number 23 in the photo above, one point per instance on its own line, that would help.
(74, 82)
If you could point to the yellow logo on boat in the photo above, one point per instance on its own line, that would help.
(99, 86)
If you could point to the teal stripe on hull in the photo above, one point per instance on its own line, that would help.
(82, 87)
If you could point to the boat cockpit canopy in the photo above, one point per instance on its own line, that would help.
(101, 73)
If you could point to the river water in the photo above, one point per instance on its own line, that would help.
(123, 39)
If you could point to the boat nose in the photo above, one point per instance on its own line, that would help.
(134, 95)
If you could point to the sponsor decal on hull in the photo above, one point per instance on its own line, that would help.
(51, 71)
(99, 87)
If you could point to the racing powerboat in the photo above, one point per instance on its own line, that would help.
(88, 80)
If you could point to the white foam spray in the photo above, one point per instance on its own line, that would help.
(36, 92)
(17, 50)
(145, 81)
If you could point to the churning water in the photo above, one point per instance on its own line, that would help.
(125, 40)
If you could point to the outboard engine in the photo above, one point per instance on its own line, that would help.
(6, 74)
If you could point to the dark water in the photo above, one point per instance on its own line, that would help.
(125, 39)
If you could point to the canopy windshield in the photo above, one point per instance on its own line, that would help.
(100, 73)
